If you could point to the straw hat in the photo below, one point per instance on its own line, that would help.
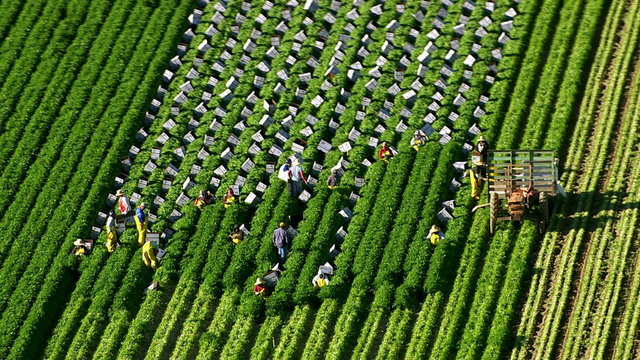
(258, 282)
(435, 228)
(78, 242)
(481, 139)
(119, 192)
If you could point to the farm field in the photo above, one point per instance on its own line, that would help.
(161, 99)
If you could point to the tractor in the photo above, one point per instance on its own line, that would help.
(524, 179)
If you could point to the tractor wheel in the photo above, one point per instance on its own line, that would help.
(494, 203)
(544, 211)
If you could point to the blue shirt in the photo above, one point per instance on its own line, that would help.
(140, 214)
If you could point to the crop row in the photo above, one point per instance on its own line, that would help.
(438, 181)
(221, 237)
(138, 326)
(30, 26)
(425, 328)
(28, 146)
(8, 14)
(41, 178)
(592, 283)
(32, 72)
(595, 167)
(491, 279)
(54, 286)
(574, 157)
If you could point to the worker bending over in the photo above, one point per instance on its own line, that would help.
(205, 198)
(112, 232)
(82, 247)
(385, 153)
(149, 252)
(418, 140)
(435, 235)
(265, 285)
(320, 280)
(236, 235)
(229, 198)
(141, 223)
(332, 180)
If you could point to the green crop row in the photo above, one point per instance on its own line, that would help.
(485, 297)
(9, 13)
(22, 35)
(424, 332)
(602, 241)
(32, 72)
(50, 297)
(595, 166)
(57, 148)
(140, 323)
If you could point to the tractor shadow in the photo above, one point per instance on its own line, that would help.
(580, 211)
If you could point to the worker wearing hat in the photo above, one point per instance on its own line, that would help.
(418, 140)
(435, 235)
(478, 171)
(281, 241)
(123, 203)
(149, 251)
(203, 199)
(82, 247)
(482, 146)
(141, 223)
(259, 288)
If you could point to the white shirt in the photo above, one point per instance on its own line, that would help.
(295, 173)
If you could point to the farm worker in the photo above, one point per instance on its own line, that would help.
(203, 199)
(320, 280)
(80, 248)
(229, 198)
(123, 203)
(112, 234)
(260, 288)
(435, 235)
(385, 153)
(236, 235)
(149, 251)
(477, 173)
(281, 241)
(418, 140)
(296, 177)
(332, 181)
(482, 146)
(141, 223)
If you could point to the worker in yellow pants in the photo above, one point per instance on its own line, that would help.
(141, 224)
(149, 251)
(112, 235)
(477, 174)
(477, 183)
